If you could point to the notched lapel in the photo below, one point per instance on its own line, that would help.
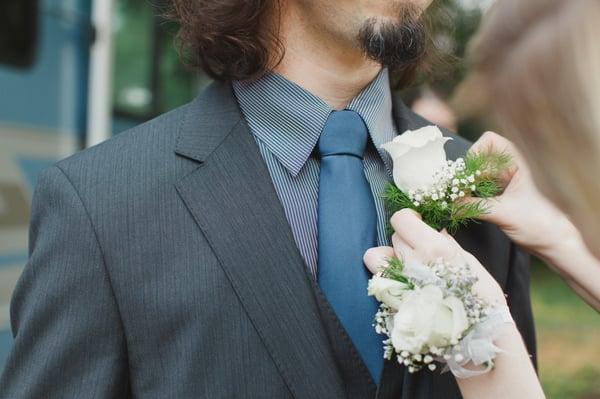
(232, 199)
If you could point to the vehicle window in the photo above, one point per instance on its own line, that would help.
(18, 32)
(148, 76)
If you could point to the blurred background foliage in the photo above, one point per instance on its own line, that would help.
(568, 338)
(149, 79)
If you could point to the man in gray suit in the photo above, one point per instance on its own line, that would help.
(181, 259)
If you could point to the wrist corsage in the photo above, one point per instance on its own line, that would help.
(431, 317)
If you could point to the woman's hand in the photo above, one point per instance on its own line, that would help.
(534, 223)
(513, 375)
(413, 239)
(522, 212)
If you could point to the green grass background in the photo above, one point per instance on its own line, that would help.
(568, 332)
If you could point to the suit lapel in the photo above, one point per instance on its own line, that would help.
(233, 201)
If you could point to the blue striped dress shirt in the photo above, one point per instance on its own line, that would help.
(286, 121)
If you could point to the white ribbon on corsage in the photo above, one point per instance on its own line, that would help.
(477, 347)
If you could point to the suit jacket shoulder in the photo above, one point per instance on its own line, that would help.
(150, 143)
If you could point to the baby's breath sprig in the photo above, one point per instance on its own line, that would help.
(442, 204)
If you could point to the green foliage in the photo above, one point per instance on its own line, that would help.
(450, 217)
(148, 79)
(492, 166)
(432, 212)
(493, 163)
(393, 271)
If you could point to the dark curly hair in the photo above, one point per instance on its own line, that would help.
(228, 39)
(238, 39)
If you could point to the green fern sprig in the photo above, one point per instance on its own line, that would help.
(394, 271)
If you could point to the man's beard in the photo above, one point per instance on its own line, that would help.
(395, 44)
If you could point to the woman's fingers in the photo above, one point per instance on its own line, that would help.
(409, 227)
(401, 248)
(491, 142)
(415, 240)
(427, 242)
(486, 286)
(376, 258)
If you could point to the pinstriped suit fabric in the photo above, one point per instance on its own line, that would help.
(155, 271)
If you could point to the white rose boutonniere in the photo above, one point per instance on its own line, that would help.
(417, 155)
(426, 181)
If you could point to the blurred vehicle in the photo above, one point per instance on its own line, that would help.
(72, 73)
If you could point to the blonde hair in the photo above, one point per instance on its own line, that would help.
(536, 74)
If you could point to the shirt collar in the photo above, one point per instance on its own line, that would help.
(288, 119)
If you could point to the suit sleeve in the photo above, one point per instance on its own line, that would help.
(68, 337)
(519, 301)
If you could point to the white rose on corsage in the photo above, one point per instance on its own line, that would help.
(417, 156)
(387, 290)
(425, 318)
(434, 316)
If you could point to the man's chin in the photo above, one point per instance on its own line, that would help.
(394, 41)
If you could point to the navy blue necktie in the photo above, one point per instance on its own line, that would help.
(347, 228)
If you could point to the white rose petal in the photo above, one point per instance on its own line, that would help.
(426, 319)
(386, 290)
(459, 317)
(417, 155)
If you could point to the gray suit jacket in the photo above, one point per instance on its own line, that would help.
(162, 266)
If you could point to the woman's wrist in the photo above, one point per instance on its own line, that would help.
(562, 238)
(576, 264)
(567, 248)
(512, 365)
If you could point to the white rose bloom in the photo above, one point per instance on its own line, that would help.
(426, 318)
(417, 156)
(387, 290)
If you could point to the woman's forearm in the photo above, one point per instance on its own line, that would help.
(574, 262)
(535, 223)
(512, 377)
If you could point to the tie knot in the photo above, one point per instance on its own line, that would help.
(345, 133)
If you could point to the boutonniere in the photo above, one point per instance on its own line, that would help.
(438, 188)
